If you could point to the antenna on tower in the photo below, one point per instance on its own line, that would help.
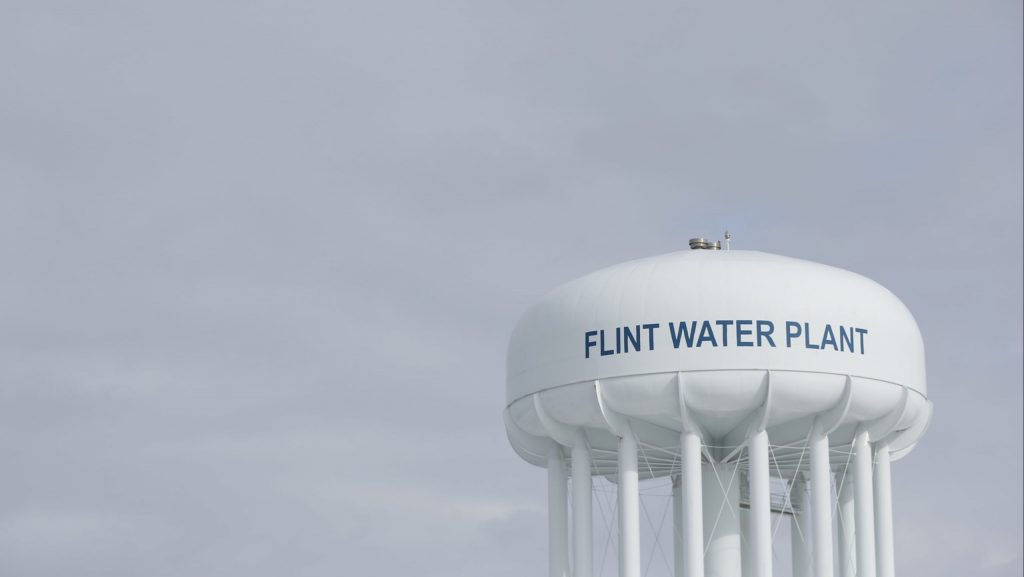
(728, 237)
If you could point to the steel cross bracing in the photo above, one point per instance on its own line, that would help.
(789, 464)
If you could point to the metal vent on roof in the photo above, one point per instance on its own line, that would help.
(705, 244)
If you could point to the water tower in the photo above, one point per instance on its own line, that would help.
(766, 389)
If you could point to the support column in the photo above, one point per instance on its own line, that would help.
(800, 528)
(845, 527)
(864, 504)
(692, 506)
(883, 513)
(722, 520)
(677, 525)
(582, 504)
(747, 562)
(821, 505)
(558, 516)
(629, 507)
(760, 506)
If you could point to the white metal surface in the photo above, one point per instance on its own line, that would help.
(821, 506)
(845, 537)
(582, 509)
(678, 527)
(549, 346)
(655, 305)
(629, 507)
(800, 529)
(693, 506)
(747, 562)
(760, 506)
(886, 560)
(558, 516)
(864, 505)
(686, 364)
(722, 552)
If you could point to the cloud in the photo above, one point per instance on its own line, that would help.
(259, 263)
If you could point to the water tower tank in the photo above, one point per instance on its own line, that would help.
(762, 386)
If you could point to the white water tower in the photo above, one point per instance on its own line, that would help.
(768, 389)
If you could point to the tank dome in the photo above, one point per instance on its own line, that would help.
(725, 334)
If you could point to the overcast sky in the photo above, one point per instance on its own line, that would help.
(259, 261)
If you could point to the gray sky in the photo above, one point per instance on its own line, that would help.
(259, 261)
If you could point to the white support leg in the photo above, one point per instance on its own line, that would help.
(558, 516)
(883, 512)
(629, 508)
(677, 525)
(821, 506)
(692, 506)
(721, 520)
(845, 529)
(747, 562)
(582, 512)
(800, 528)
(760, 506)
(864, 505)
